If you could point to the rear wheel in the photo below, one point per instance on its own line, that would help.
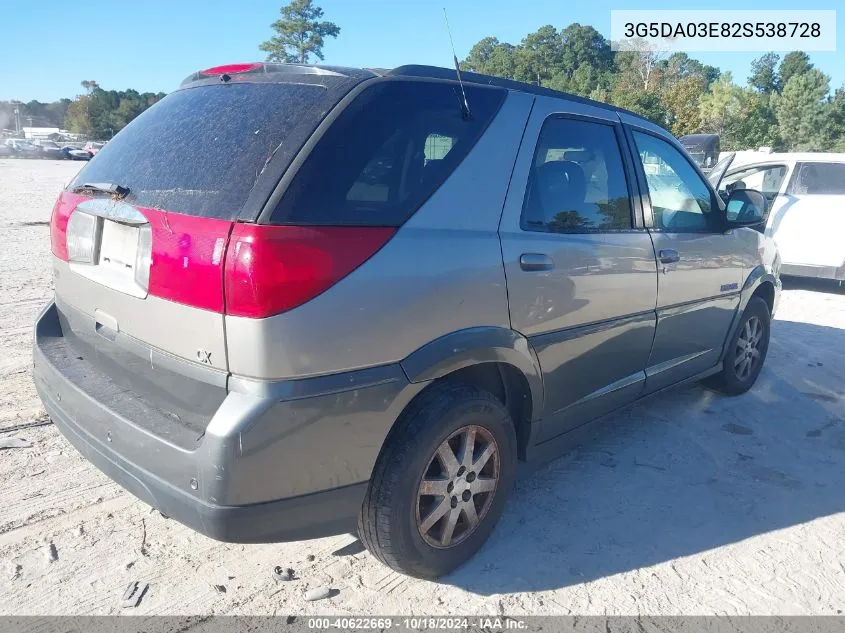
(747, 350)
(441, 481)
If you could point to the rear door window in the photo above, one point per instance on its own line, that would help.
(386, 153)
(820, 179)
(577, 182)
(199, 151)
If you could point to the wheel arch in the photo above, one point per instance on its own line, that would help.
(761, 282)
(498, 360)
(766, 291)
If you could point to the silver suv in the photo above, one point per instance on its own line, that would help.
(292, 298)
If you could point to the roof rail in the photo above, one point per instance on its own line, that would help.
(436, 72)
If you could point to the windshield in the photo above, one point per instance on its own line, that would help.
(698, 157)
(199, 151)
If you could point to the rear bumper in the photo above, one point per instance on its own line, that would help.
(298, 518)
(818, 272)
(287, 461)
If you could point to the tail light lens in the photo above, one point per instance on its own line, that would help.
(271, 269)
(81, 237)
(247, 270)
(59, 220)
(143, 258)
(232, 69)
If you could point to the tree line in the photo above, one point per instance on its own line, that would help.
(786, 103)
(96, 114)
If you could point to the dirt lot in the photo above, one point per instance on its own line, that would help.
(689, 503)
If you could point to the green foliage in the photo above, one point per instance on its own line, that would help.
(681, 100)
(764, 75)
(681, 66)
(77, 120)
(794, 63)
(538, 55)
(721, 105)
(586, 61)
(645, 103)
(834, 130)
(786, 104)
(300, 33)
(101, 114)
(491, 57)
(801, 108)
(755, 125)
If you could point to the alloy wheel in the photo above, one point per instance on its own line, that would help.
(748, 352)
(457, 487)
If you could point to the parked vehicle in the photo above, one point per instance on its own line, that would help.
(703, 148)
(74, 153)
(92, 147)
(5, 150)
(805, 194)
(362, 320)
(49, 149)
(21, 148)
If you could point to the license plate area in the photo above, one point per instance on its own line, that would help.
(120, 249)
(118, 246)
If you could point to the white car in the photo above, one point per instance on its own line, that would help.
(806, 214)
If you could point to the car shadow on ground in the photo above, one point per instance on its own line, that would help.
(680, 473)
(816, 285)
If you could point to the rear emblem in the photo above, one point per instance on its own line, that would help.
(204, 356)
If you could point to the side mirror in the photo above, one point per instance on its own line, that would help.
(746, 207)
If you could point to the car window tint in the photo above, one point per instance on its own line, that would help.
(577, 181)
(199, 151)
(822, 179)
(680, 199)
(386, 153)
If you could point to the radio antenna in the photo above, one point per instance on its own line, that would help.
(465, 105)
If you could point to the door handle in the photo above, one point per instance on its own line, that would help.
(536, 261)
(669, 256)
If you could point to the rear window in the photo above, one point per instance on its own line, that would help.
(386, 153)
(199, 151)
(823, 179)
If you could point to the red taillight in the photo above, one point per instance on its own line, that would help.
(231, 69)
(248, 270)
(66, 203)
(187, 252)
(271, 269)
(187, 258)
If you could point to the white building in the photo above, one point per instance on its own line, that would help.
(44, 132)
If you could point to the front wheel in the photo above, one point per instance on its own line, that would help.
(441, 481)
(747, 350)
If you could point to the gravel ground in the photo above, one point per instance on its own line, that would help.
(688, 503)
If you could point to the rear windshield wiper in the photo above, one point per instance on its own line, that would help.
(116, 191)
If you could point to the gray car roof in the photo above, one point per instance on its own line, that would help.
(270, 71)
(436, 72)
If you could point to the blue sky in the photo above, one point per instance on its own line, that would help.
(153, 45)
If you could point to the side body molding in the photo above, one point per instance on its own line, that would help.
(474, 346)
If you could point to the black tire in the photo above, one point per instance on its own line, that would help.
(731, 379)
(388, 524)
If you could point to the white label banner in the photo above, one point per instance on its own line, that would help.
(723, 30)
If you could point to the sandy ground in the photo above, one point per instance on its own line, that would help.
(689, 503)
